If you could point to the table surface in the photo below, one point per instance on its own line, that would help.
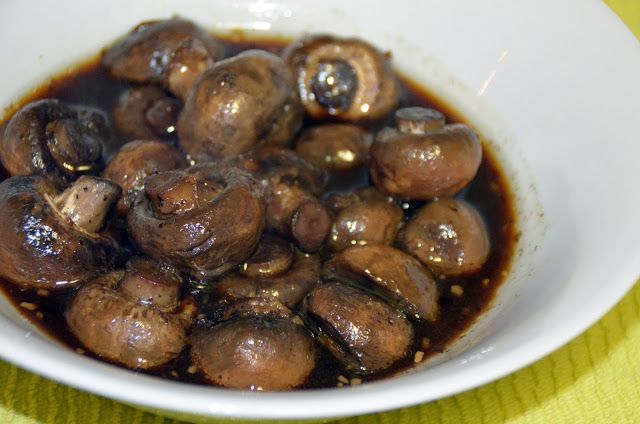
(595, 378)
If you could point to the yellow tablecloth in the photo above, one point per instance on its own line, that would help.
(594, 379)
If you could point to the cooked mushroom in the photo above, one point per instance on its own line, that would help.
(56, 141)
(152, 283)
(272, 257)
(359, 329)
(173, 52)
(126, 327)
(50, 239)
(145, 113)
(289, 286)
(242, 102)
(256, 307)
(137, 160)
(335, 147)
(205, 219)
(420, 165)
(259, 353)
(418, 120)
(391, 273)
(448, 236)
(343, 77)
(368, 221)
(338, 201)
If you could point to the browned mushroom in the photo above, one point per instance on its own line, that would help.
(172, 52)
(145, 113)
(257, 307)
(419, 165)
(359, 329)
(272, 257)
(338, 201)
(56, 141)
(125, 325)
(152, 283)
(448, 236)
(205, 219)
(240, 103)
(289, 285)
(137, 160)
(391, 273)
(368, 221)
(343, 77)
(335, 147)
(50, 239)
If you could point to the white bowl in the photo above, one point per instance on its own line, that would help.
(553, 85)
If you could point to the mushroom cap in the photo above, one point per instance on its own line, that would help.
(391, 273)
(361, 330)
(335, 147)
(42, 248)
(347, 78)
(448, 236)
(240, 103)
(272, 257)
(205, 219)
(255, 354)
(119, 329)
(424, 166)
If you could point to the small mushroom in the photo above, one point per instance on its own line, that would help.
(51, 239)
(338, 201)
(241, 103)
(448, 236)
(359, 329)
(128, 328)
(256, 307)
(172, 52)
(335, 147)
(152, 283)
(420, 165)
(137, 160)
(145, 113)
(391, 273)
(205, 219)
(343, 77)
(56, 141)
(272, 257)
(368, 221)
(289, 286)
(259, 353)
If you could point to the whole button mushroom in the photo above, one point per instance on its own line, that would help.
(172, 52)
(205, 219)
(137, 160)
(133, 318)
(50, 239)
(368, 221)
(448, 236)
(416, 165)
(346, 78)
(243, 102)
(392, 274)
(359, 329)
(56, 141)
(335, 147)
(145, 113)
(259, 349)
(289, 285)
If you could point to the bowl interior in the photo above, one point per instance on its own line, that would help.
(524, 93)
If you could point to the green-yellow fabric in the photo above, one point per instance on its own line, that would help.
(593, 379)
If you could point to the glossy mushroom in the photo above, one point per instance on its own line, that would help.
(359, 329)
(260, 345)
(137, 160)
(172, 52)
(51, 239)
(335, 147)
(241, 103)
(145, 113)
(56, 141)
(205, 219)
(448, 236)
(393, 274)
(417, 165)
(346, 78)
(118, 322)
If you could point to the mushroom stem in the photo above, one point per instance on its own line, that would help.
(87, 201)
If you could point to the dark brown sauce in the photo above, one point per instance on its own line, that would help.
(88, 84)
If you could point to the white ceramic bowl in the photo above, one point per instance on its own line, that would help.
(553, 85)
